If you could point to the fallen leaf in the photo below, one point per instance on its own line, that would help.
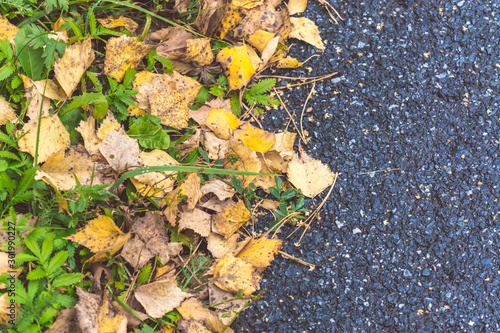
(260, 252)
(53, 137)
(7, 30)
(174, 43)
(101, 235)
(191, 189)
(191, 143)
(186, 86)
(196, 220)
(7, 113)
(220, 246)
(255, 139)
(232, 274)
(120, 150)
(260, 38)
(121, 21)
(5, 267)
(73, 64)
(209, 17)
(132, 320)
(305, 30)
(237, 65)
(123, 53)
(160, 297)
(271, 205)
(288, 62)
(222, 123)
(88, 132)
(136, 253)
(151, 230)
(258, 18)
(171, 107)
(247, 160)
(192, 326)
(186, 195)
(296, 6)
(215, 148)
(231, 219)
(199, 51)
(162, 180)
(108, 125)
(309, 175)
(216, 186)
(65, 322)
(284, 143)
(87, 311)
(8, 310)
(50, 89)
(37, 102)
(269, 51)
(193, 310)
(217, 205)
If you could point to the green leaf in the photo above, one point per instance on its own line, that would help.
(144, 275)
(95, 81)
(56, 262)
(6, 70)
(8, 154)
(237, 184)
(6, 50)
(21, 296)
(279, 184)
(66, 280)
(150, 136)
(167, 64)
(47, 248)
(3, 165)
(32, 245)
(235, 104)
(23, 256)
(15, 82)
(64, 300)
(217, 91)
(129, 77)
(36, 274)
(202, 96)
(262, 87)
(47, 315)
(31, 59)
(86, 99)
(274, 192)
(92, 24)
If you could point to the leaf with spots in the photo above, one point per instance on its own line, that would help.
(227, 222)
(260, 252)
(256, 139)
(234, 274)
(123, 53)
(121, 21)
(305, 30)
(237, 65)
(222, 123)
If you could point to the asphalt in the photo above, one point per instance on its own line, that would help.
(408, 250)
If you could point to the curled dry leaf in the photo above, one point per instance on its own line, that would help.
(305, 30)
(123, 53)
(217, 205)
(53, 137)
(309, 175)
(255, 139)
(260, 252)
(120, 150)
(73, 64)
(232, 274)
(269, 51)
(216, 186)
(160, 297)
(237, 65)
(231, 219)
(174, 43)
(122, 21)
(6, 112)
(196, 220)
(210, 16)
(49, 89)
(101, 235)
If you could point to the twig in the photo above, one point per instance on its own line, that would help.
(387, 170)
(311, 81)
(304, 109)
(288, 256)
(293, 120)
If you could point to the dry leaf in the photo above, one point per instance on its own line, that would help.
(87, 311)
(309, 175)
(192, 326)
(222, 123)
(271, 205)
(191, 143)
(186, 86)
(217, 205)
(259, 18)
(122, 21)
(196, 220)
(192, 310)
(53, 137)
(191, 189)
(232, 274)
(7, 30)
(237, 65)
(8, 310)
(175, 42)
(247, 161)
(269, 51)
(187, 194)
(162, 180)
(50, 89)
(260, 38)
(199, 51)
(304, 29)
(219, 246)
(260, 252)
(171, 107)
(284, 143)
(123, 53)
(65, 322)
(231, 219)
(160, 297)
(210, 16)
(296, 6)
(222, 190)
(120, 150)
(108, 125)
(88, 132)
(216, 148)
(7, 113)
(136, 253)
(288, 62)
(101, 235)
(255, 139)
(73, 64)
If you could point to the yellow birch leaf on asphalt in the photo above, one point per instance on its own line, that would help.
(123, 53)
(53, 137)
(196, 220)
(259, 39)
(108, 125)
(260, 252)
(199, 51)
(284, 143)
(89, 135)
(255, 139)
(237, 65)
(61, 168)
(7, 113)
(231, 219)
(122, 21)
(162, 180)
(288, 62)
(232, 274)
(171, 107)
(296, 6)
(305, 30)
(186, 86)
(7, 30)
(101, 235)
(160, 297)
(222, 123)
(73, 64)
(246, 160)
(309, 175)
(120, 150)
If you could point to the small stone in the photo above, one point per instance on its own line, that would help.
(406, 273)
(426, 272)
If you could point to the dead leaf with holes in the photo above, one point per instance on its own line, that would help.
(227, 222)
(101, 235)
(260, 252)
(112, 23)
(241, 158)
(120, 150)
(305, 30)
(222, 123)
(232, 274)
(7, 113)
(160, 297)
(256, 139)
(63, 168)
(123, 53)
(237, 65)
(73, 64)
(309, 175)
(53, 137)
(296, 6)
(161, 180)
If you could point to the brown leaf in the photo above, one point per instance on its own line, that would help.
(209, 17)
(232, 274)
(151, 230)
(219, 246)
(87, 311)
(174, 43)
(231, 219)
(215, 148)
(160, 297)
(217, 205)
(120, 150)
(258, 18)
(65, 322)
(196, 220)
(123, 53)
(6, 112)
(222, 190)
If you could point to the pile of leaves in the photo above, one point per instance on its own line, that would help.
(130, 171)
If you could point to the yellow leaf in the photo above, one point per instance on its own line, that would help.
(53, 137)
(116, 324)
(288, 62)
(296, 6)
(309, 175)
(199, 51)
(160, 297)
(88, 133)
(284, 143)
(237, 65)
(219, 246)
(123, 53)
(145, 190)
(120, 150)
(191, 188)
(38, 101)
(174, 42)
(196, 220)
(193, 309)
(73, 64)
(260, 17)
(232, 274)
(162, 180)
(8, 310)
(171, 107)
(222, 123)
(186, 86)
(231, 219)
(304, 29)
(269, 51)
(260, 252)
(259, 39)
(7, 113)
(134, 111)
(122, 21)
(246, 160)
(187, 194)
(108, 125)
(101, 235)
(50, 89)
(255, 139)
(7, 30)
